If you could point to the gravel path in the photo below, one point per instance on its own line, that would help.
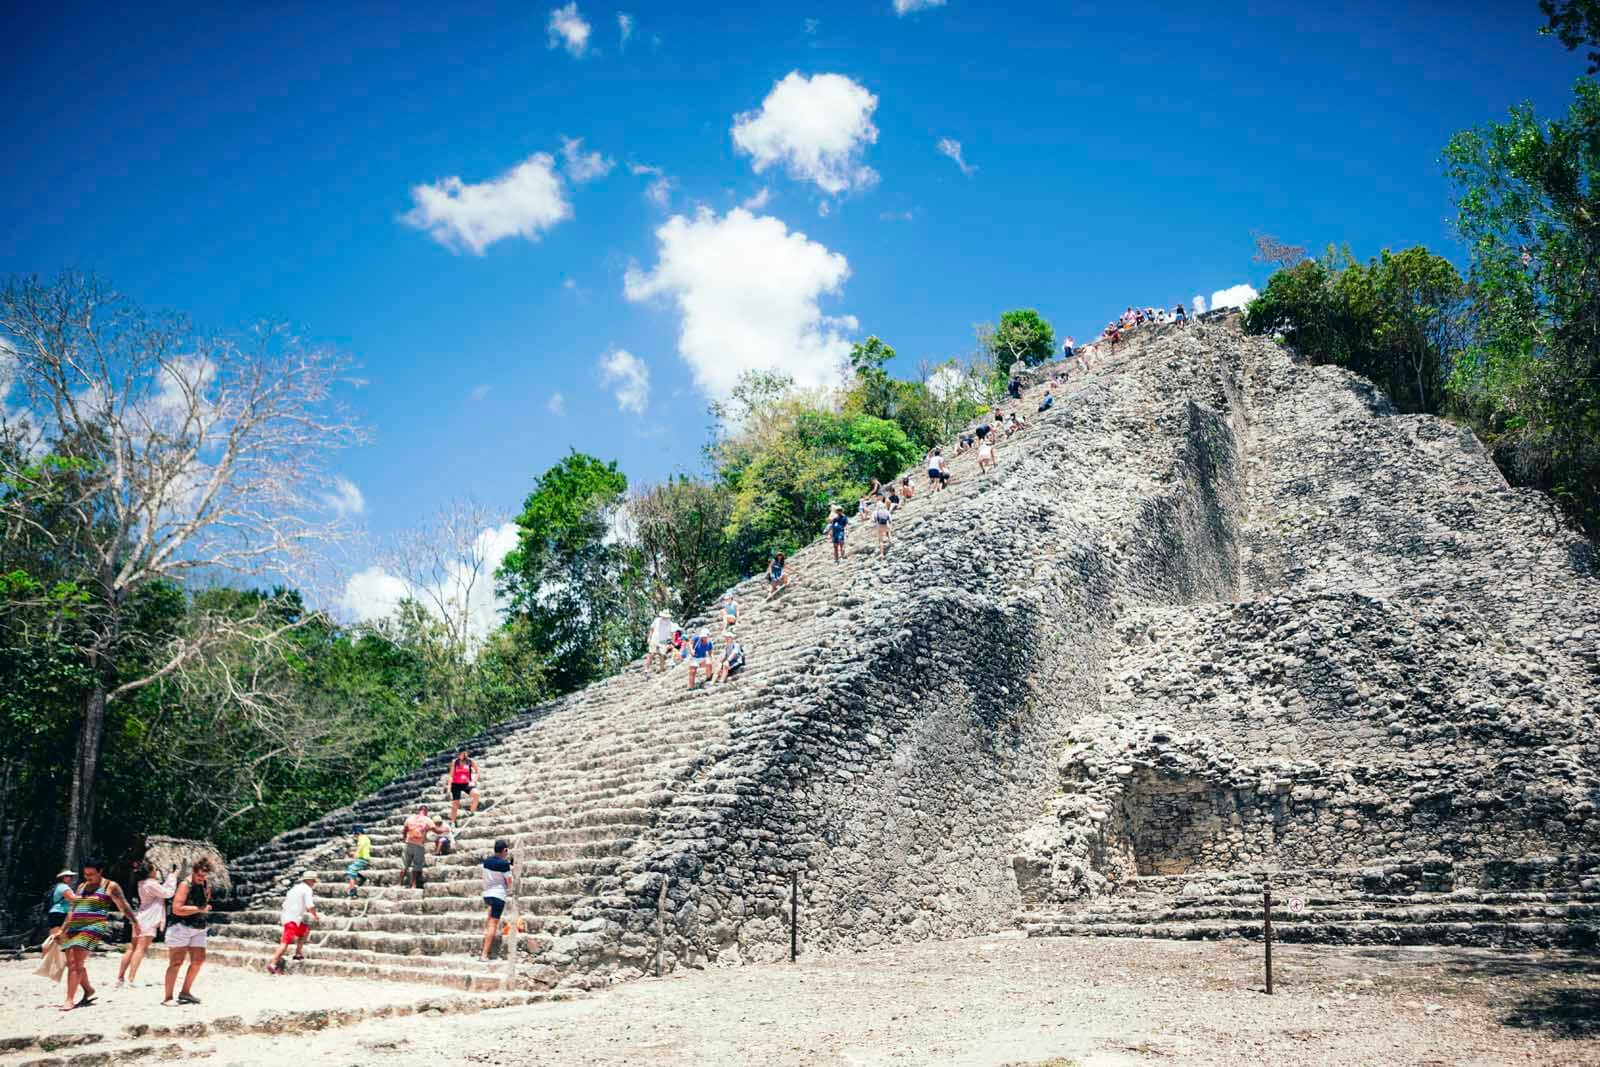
(1021, 1003)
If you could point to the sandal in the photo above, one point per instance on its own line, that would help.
(85, 1002)
(188, 998)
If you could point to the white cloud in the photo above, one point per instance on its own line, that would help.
(523, 202)
(556, 405)
(628, 378)
(906, 7)
(1199, 304)
(345, 498)
(817, 128)
(824, 208)
(584, 166)
(478, 392)
(659, 192)
(949, 146)
(1235, 296)
(624, 30)
(373, 594)
(567, 29)
(748, 291)
(643, 168)
(758, 201)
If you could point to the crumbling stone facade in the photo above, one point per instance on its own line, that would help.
(1216, 612)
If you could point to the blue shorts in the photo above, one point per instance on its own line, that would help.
(496, 906)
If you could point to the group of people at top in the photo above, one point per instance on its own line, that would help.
(80, 921)
(1133, 318)
(711, 660)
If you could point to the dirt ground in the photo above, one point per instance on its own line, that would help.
(1009, 1002)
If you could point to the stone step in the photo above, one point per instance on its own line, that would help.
(465, 975)
(328, 944)
(1326, 912)
(1575, 935)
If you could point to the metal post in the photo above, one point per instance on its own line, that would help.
(661, 922)
(1266, 910)
(794, 916)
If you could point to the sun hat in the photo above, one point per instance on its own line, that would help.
(68, 873)
(308, 876)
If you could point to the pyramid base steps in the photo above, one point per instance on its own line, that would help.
(1574, 934)
(461, 973)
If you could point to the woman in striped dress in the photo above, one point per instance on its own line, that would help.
(89, 924)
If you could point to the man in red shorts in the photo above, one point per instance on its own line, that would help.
(299, 905)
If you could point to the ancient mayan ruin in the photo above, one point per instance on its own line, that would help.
(1220, 619)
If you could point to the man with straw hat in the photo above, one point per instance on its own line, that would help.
(299, 904)
(659, 641)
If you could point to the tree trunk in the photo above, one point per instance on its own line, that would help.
(85, 764)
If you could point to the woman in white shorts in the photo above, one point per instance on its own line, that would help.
(986, 458)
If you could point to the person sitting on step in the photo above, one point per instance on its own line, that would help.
(776, 578)
(730, 613)
(731, 660)
(1047, 403)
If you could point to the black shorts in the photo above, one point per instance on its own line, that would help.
(459, 790)
(496, 906)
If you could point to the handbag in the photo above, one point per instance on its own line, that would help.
(52, 961)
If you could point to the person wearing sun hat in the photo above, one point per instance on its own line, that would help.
(659, 641)
(299, 904)
(58, 899)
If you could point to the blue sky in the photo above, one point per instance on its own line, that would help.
(241, 166)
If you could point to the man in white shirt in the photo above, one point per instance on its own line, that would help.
(299, 904)
(660, 641)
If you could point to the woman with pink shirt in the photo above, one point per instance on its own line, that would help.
(152, 916)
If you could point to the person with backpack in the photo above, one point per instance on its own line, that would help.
(496, 887)
(186, 934)
(835, 530)
(732, 659)
(882, 515)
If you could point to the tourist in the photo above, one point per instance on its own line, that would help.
(87, 926)
(986, 458)
(186, 934)
(299, 904)
(835, 530)
(414, 833)
(966, 441)
(1068, 349)
(1180, 315)
(444, 837)
(731, 660)
(936, 475)
(463, 780)
(153, 897)
(659, 641)
(882, 516)
(360, 860)
(700, 658)
(1047, 402)
(1014, 388)
(776, 579)
(906, 492)
(730, 613)
(496, 884)
(57, 915)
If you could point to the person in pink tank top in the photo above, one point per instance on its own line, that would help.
(463, 782)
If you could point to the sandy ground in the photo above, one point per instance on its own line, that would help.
(1001, 1001)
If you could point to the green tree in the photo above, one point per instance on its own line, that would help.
(1021, 337)
(680, 526)
(1528, 202)
(1574, 23)
(573, 583)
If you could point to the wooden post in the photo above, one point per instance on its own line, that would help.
(1266, 923)
(661, 922)
(794, 916)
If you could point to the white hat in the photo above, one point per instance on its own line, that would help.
(308, 876)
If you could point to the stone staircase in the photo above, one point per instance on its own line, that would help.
(1547, 902)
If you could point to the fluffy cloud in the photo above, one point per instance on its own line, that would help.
(556, 405)
(1199, 304)
(567, 29)
(748, 291)
(906, 7)
(1235, 296)
(628, 379)
(624, 30)
(758, 201)
(816, 128)
(949, 146)
(344, 498)
(659, 192)
(373, 594)
(584, 166)
(523, 202)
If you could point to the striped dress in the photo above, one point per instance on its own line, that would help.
(89, 922)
